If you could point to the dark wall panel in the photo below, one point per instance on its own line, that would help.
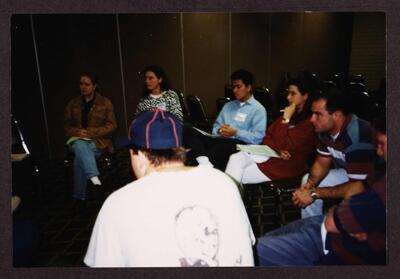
(368, 55)
(287, 52)
(317, 42)
(327, 42)
(269, 45)
(206, 56)
(25, 91)
(147, 40)
(250, 45)
(68, 45)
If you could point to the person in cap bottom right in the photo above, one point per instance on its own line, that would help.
(172, 215)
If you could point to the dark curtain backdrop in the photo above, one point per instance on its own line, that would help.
(198, 51)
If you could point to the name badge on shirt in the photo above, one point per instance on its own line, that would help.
(240, 117)
(162, 106)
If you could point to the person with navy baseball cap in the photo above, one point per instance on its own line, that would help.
(155, 141)
(155, 130)
(172, 215)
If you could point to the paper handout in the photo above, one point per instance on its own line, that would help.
(256, 149)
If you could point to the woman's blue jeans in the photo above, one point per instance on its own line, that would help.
(85, 166)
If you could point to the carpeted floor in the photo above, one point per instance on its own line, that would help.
(65, 225)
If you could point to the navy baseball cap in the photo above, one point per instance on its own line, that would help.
(156, 129)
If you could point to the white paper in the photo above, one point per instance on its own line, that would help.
(205, 133)
(255, 149)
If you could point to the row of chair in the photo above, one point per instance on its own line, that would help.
(194, 111)
(366, 104)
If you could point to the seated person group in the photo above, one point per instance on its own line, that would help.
(179, 215)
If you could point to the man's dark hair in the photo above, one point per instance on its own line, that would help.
(159, 157)
(245, 76)
(93, 78)
(335, 101)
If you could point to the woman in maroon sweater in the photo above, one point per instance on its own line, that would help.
(292, 136)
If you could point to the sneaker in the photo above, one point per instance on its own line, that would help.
(95, 180)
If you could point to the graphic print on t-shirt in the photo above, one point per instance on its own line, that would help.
(196, 232)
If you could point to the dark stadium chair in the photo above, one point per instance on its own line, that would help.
(197, 113)
(220, 102)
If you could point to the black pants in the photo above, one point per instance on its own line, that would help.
(218, 150)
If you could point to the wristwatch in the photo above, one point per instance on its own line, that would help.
(314, 194)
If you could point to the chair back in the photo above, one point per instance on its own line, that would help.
(264, 96)
(362, 104)
(338, 80)
(220, 103)
(329, 84)
(196, 109)
(197, 112)
(183, 105)
(25, 171)
(228, 92)
(18, 142)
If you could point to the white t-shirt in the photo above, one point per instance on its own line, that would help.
(192, 217)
